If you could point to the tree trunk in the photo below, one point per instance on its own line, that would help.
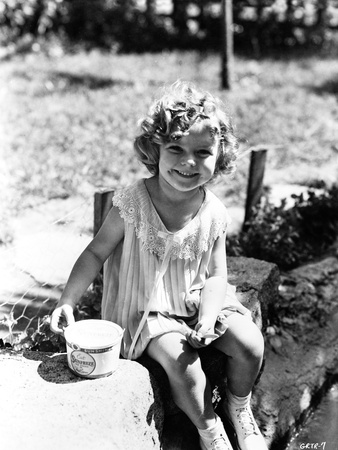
(227, 45)
(180, 15)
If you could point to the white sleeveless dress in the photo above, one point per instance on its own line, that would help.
(156, 276)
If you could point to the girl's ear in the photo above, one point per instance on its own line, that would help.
(148, 153)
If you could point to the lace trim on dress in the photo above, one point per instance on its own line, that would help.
(189, 243)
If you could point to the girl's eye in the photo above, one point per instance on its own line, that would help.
(204, 153)
(175, 149)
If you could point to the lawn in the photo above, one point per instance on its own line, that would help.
(68, 121)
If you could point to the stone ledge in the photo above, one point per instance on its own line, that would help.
(44, 406)
(257, 285)
(299, 369)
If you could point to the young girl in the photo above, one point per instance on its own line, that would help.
(165, 276)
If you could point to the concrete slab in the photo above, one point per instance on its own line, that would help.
(44, 406)
(49, 256)
(33, 273)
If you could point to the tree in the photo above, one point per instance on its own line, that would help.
(227, 48)
(180, 15)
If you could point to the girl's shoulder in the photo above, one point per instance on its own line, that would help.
(215, 209)
(132, 201)
(132, 190)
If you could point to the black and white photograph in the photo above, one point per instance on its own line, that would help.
(169, 225)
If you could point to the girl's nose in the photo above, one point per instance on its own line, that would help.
(189, 162)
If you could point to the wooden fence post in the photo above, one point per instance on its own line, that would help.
(255, 183)
(102, 205)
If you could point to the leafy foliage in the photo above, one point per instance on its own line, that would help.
(289, 236)
(42, 338)
(93, 23)
(90, 305)
(130, 27)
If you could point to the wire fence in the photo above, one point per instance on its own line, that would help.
(35, 269)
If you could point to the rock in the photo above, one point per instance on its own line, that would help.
(45, 406)
(257, 285)
(308, 292)
(300, 367)
(319, 272)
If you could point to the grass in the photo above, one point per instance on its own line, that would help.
(68, 121)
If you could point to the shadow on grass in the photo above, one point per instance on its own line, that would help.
(63, 80)
(328, 87)
(89, 81)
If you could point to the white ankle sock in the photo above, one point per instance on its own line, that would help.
(211, 432)
(238, 401)
(206, 431)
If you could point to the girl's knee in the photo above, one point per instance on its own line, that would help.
(176, 356)
(250, 342)
(186, 361)
(244, 339)
(186, 373)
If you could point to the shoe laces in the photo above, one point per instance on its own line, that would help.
(247, 421)
(219, 444)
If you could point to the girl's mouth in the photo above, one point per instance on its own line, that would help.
(185, 174)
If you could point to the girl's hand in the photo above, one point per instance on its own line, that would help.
(62, 317)
(196, 340)
(205, 326)
(203, 334)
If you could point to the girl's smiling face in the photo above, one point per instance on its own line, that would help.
(188, 163)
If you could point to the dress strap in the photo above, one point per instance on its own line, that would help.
(170, 240)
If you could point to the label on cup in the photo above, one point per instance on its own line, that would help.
(83, 363)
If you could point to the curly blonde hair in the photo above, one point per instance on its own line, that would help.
(173, 115)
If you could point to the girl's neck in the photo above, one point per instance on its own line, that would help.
(176, 209)
(164, 192)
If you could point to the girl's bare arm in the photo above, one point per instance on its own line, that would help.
(88, 266)
(92, 258)
(213, 295)
(214, 292)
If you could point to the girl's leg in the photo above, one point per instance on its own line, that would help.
(190, 388)
(189, 385)
(244, 345)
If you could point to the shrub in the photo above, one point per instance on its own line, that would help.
(33, 17)
(41, 338)
(124, 24)
(92, 23)
(288, 236)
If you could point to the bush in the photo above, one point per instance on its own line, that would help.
(287, 236)
(92, 23)
(123, 24)
(42, 338)
(19, 18)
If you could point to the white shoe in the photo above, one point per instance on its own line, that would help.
(248, 434)
(219, 443)
(219, 439)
